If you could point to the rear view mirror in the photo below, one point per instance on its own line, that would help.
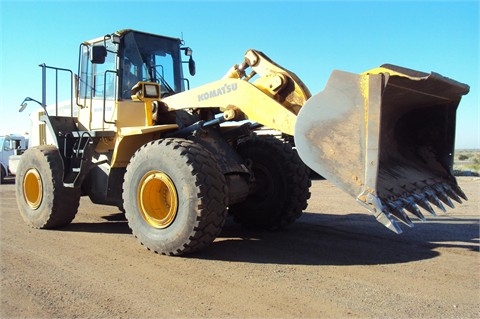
(98, 54)
(22, 107)
(191, 66)
(191, 63)
(24, 103)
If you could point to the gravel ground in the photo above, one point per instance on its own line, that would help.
(335, 262)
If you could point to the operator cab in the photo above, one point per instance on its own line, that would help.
(110, 66)
(120, 70)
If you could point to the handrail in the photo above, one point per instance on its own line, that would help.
(105, 95)
(44, 86)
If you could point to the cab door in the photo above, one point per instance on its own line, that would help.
(97, 89)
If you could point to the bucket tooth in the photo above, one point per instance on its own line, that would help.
(411, 206)
(434, 199)
(451, 193)
(375, 205)
(443, 195)
(459, 192)
(423, 203)
(388, 221)
(397, 211)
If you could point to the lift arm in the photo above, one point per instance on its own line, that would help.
(269, 94)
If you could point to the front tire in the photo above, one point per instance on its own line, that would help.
(281, 184)
(3, 174)
(175, 196)
(42, 199)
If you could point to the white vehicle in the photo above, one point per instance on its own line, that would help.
(12, 146)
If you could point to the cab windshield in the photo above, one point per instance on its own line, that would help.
(154, 59)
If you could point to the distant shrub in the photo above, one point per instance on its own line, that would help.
(476, 164)
(463, 157)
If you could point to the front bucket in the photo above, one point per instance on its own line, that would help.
(386, 137)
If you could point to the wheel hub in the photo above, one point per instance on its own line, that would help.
(33, 188)
(158, 199)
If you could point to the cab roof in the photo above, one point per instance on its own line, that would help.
(123, 32)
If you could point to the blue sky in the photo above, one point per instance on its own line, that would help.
(310, 38)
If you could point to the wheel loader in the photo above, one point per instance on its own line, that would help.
(178, 160)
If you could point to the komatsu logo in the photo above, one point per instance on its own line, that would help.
(227, 88)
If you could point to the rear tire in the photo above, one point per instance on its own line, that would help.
(282, 184)
(42, 199)
(175, 196)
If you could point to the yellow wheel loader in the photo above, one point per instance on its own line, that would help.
(177, 160)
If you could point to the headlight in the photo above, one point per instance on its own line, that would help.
(152, 91)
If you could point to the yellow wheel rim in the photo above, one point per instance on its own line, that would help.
(158, 199)
(33, 188)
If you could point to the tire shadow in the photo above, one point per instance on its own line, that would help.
(354, 239)
(114, 224)
(323, 239)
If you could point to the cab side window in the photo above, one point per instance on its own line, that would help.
(104, 75)
(97, 80)
(7, 145)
